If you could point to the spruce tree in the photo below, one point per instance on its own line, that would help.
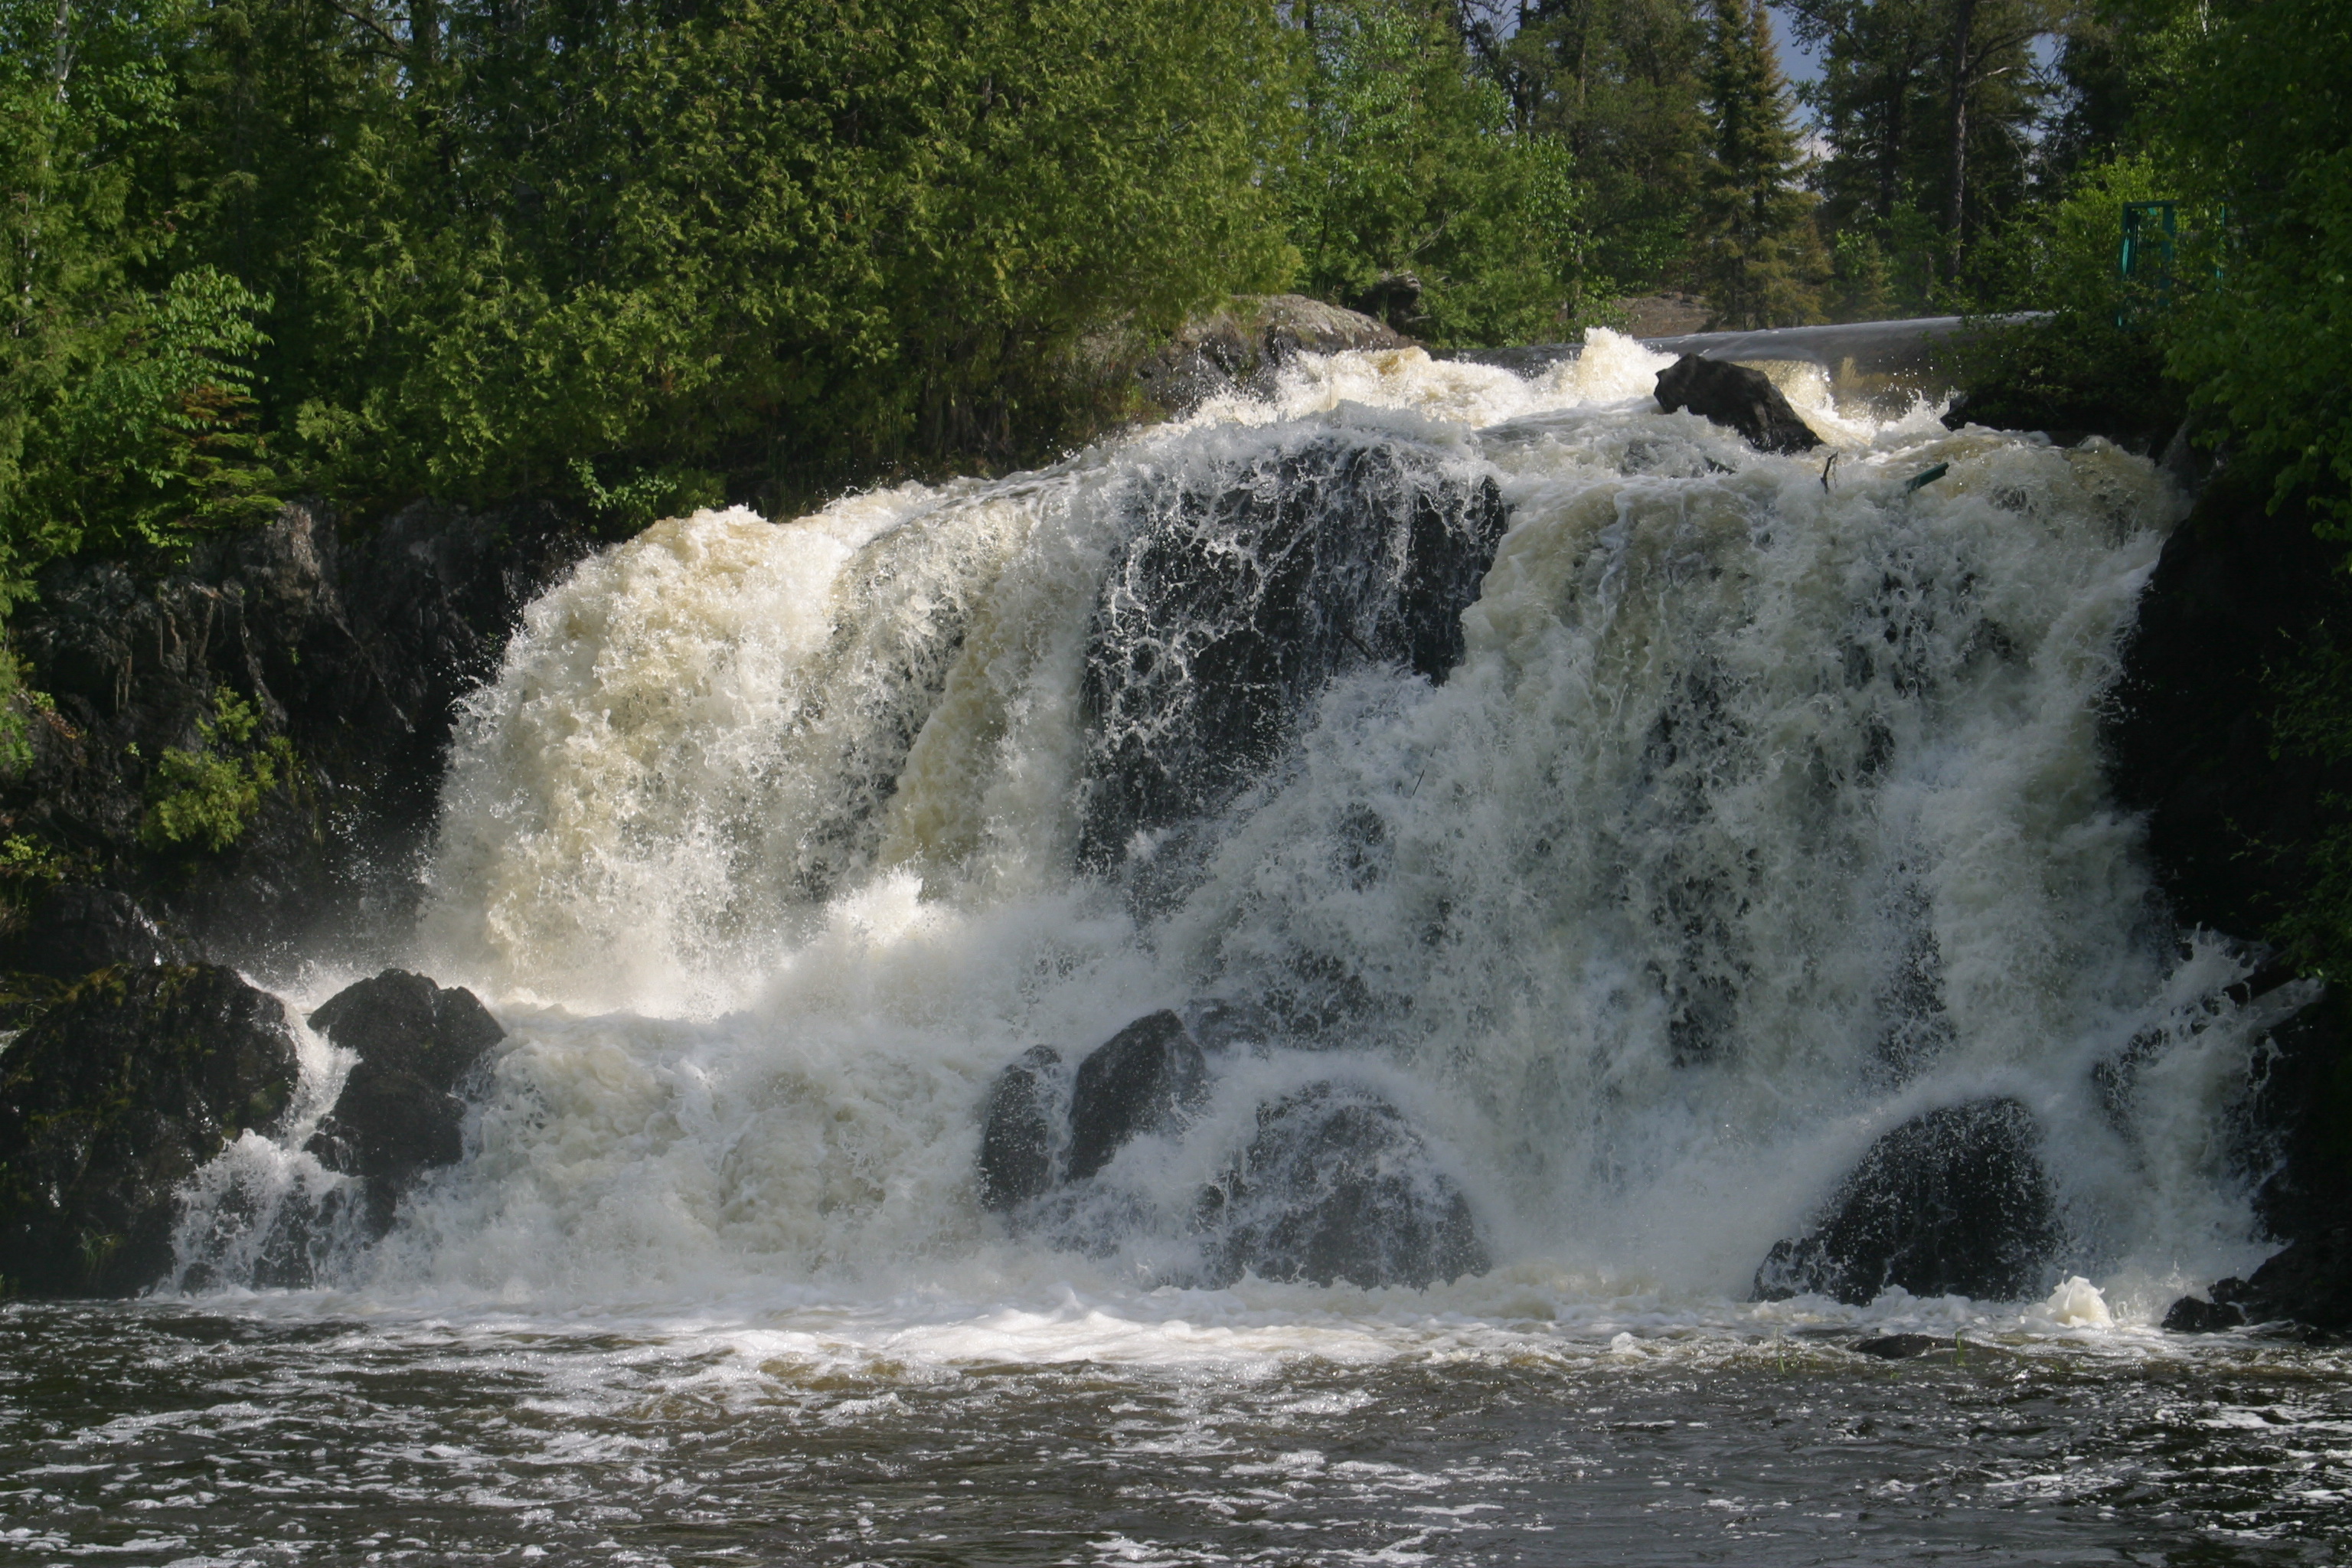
(1760, 256)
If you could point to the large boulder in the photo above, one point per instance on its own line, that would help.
(1018, 1138)
(399, 1112)
(1142, 1079)
(1334, 1184)
(1233, 606)
(1953, 1202)
(1337, 1186)
(1738, 396)
(110, 1102)
(2309, 1282)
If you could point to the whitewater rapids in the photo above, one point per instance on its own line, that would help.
(1761, 810)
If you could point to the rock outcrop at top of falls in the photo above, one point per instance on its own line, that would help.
(113, 1098)
(1736, 397)
(1242, 345)
(399, 1112)
(1333, 1183)
(351, 645)
(1953, 1202)
(1229, 612)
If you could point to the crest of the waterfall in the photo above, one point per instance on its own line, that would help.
(1651, 821)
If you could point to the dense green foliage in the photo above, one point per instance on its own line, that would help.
(1411, 173)
(204, 798)
(1615, 84)
(1758, 250)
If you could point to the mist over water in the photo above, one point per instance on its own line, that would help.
(1738, 812)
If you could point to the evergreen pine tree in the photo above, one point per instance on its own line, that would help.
(1760, 256)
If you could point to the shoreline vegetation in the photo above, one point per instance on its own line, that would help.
(331, 331)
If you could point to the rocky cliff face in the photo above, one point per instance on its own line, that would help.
(349, 649)
(2233, 818)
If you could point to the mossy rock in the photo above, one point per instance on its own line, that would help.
(111, 1100)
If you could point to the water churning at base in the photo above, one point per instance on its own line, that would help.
(1630, 826)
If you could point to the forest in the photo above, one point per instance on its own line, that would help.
(639, 256)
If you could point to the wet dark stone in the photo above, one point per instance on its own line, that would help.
(111, 1100)
(1140, 1080)
(2310, 1283)
(2190, 1316)
(1955, 1201)
(69, 931)
(2239, 593)
(1337, 1186)
(1739, 397)
(1232, 608)
(353, 644)
(1016, 1142)
(399, 1112)
(1900, 1347)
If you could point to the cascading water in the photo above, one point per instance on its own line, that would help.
(1644, 823)
(1539, 865)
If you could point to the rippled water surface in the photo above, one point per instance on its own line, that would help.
(184, 1434)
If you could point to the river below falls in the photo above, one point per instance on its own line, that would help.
(291, 1430)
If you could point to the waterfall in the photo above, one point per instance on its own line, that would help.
(1646, 823)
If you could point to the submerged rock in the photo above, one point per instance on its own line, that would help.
(113, 1098)
(1954, 1201)
(1899, 1347)
(1739, 397)
(1140, 1080)
(399, 1112)
(1337, 1186)
(1016, 1143)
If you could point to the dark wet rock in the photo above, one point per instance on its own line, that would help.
(1736, 396)
(114, 1098)
(2309, 1283)
(2244, 589)
(1017, 1140)
(352, 647)
(2190, 1316)
(1955, 1201)
(1900, 1347)
(68, 931)
(1232, 607)
(1140, 1080)
(399, 1112)
(1337, 1186)
(2239, 593)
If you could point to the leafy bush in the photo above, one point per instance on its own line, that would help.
(206, 798)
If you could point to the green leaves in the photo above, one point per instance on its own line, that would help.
(204, 799)
(1411, 164)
